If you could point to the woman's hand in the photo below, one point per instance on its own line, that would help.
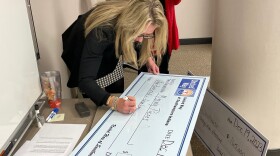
(151, 66)
(126, 106)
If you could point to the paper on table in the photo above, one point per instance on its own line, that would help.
(31, 148)
(23, 149)
(53, 139)
(57, 117)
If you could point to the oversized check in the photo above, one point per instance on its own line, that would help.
(225, 132)
(162, 125)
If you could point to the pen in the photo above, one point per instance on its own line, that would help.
(8, 149)
(53, 113)
(127, 99)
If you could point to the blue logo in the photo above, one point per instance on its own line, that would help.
(187, 87)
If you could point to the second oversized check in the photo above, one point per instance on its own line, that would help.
(168, 106)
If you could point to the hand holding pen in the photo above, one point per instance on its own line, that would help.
(127, 104)
(124, 105)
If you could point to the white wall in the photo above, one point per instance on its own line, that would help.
(246, 61)
(51, 19)
(195, 18)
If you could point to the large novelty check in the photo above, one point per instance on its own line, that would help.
(168, 106)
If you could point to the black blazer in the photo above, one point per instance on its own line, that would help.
(89, 58)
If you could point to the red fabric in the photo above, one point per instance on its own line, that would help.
(173, 37)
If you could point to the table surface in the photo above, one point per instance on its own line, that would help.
(71, 117)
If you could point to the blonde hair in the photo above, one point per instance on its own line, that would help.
(129, 19)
